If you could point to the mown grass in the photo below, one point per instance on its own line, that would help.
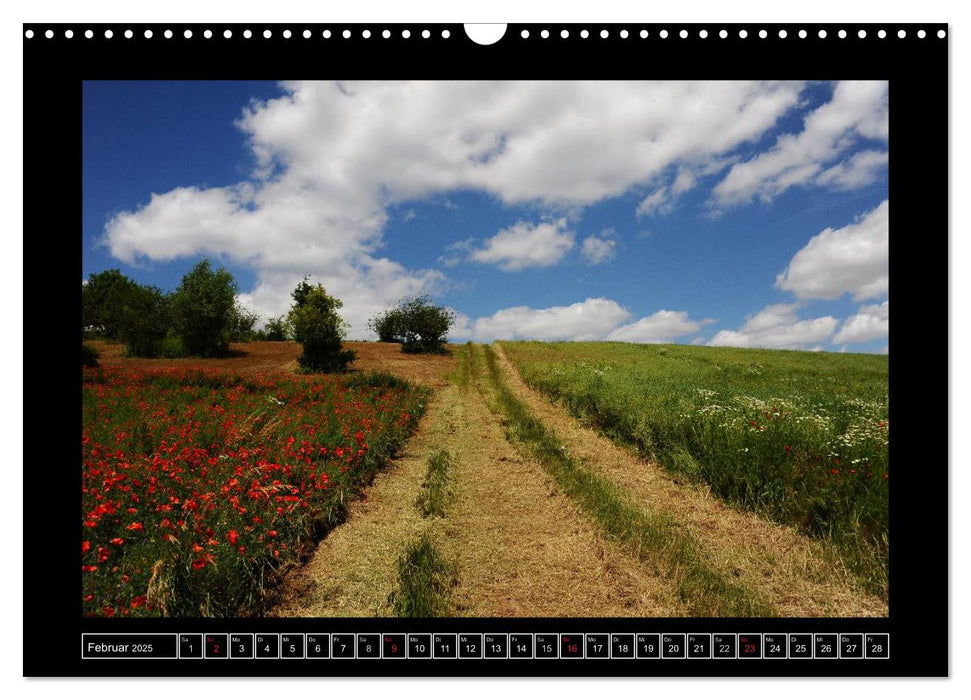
(799, 437)
(434, 494)
(654, 537)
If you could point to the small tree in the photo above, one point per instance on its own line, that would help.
(418, 324)
(203, 310)
(319, 328)
(389, 325)
(103, 301)
(144, 321)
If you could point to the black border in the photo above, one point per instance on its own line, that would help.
(918, 73)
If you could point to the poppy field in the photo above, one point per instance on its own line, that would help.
(799, 437)
(198, 485)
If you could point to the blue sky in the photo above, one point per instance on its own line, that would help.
(730, 213)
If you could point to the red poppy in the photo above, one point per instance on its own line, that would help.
(233, 536)
(198, 564)
(85, 546)
(271, 533)
(89, 568)
(135, 526)
(788, 448)
(117, 541)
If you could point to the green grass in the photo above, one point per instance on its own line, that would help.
(425, 578)
(654, 537)
(798, 437)
(465, 369)
(434, 495)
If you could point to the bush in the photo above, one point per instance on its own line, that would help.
(276, 329)
(417, 324)
(318, 327)
(204, 310)
(89, 356)
(171, 346)
(243, 323)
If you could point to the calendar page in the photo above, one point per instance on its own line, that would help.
(434, 350)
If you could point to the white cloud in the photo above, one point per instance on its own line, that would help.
(525, 245)
(858, 109)
(664, 199)
(591, 319)
(462, 327)
(869, 323)
(332, 157)
(661, 327)
(854, 259)
(778, 326)
(860, 170)
(598, 249)
(658, 202)
(457, 252)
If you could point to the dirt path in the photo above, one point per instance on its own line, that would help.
(521, 548)
(355, 567)
(794, 573)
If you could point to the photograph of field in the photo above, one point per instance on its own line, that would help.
(485, 349)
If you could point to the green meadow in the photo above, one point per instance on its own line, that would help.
(798, 437)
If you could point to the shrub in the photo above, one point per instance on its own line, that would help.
(319, 328)
(89, 356)
(204, 310)
(243, 323)
(417, 324)
(171, 346)
(276, 329)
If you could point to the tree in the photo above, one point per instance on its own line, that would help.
(418, 324)
(319, 328)
(389, 326)
(203, 309)
(103, 300)
(144, 321)
(300, 294)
